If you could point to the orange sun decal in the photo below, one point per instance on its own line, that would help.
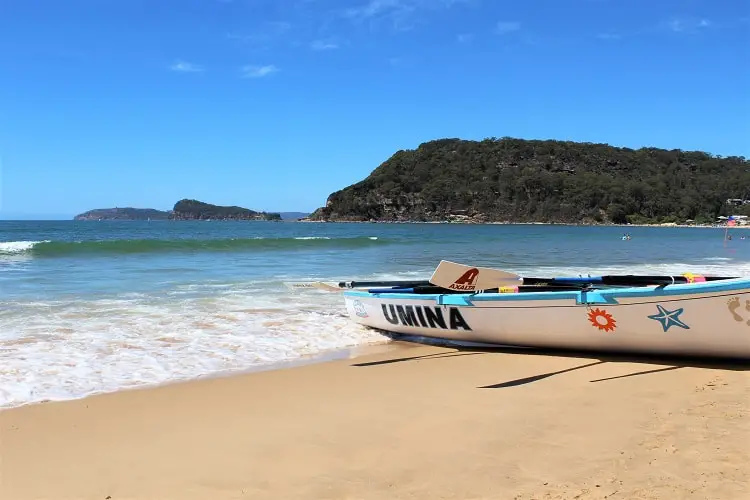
(602, 320)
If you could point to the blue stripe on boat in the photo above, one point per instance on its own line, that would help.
(606, 295)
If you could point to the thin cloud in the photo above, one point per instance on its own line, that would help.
(186, 67)
(505, 27)
(323, 45)
(464, 37)
(251, 71)
(402, 14)
(374, 8)
(685, 25)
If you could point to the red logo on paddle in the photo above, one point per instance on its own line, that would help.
(467, 281)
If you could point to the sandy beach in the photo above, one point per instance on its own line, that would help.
(410, 421)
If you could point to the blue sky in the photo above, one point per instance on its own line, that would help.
(274, 104)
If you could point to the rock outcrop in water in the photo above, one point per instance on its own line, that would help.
(183, 210)
(126, 213)
(198, 210)
(515, 180)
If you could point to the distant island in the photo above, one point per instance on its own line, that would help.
(183, 210)
(293, 215)
(198, 210)
(126, 213)
(511, 180)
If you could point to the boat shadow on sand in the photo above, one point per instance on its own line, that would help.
(472, 349)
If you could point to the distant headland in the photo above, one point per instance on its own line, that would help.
(512, 180)
(183, 210)
(126, 213)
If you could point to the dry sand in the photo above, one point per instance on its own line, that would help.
(413, 422)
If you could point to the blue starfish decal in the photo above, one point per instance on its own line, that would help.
(669, 318)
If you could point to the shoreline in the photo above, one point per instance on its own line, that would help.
(344, 353)
(414, 421)
(453, 222)
(475, 223)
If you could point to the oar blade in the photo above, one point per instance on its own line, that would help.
(454, 276)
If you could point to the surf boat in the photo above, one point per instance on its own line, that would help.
(688, 314)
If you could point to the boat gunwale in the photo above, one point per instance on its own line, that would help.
(731, 284)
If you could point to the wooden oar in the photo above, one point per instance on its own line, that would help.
(428, 288)
(399, 283)
(315, 284)
(470, 279)
(346, 285)
(457, 278)
(438, 290)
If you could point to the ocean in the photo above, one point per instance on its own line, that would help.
(90, 307)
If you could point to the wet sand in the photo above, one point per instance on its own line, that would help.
(412, 422)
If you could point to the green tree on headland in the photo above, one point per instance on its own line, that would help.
(516, 180)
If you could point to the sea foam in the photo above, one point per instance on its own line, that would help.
(58, 350)
(15, 247)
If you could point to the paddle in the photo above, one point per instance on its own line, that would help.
(460, 278)
(358, 284)
(315, 284)
(365, 284)
(472, 278)
(433, 289)
(422, 288)
(455, 276)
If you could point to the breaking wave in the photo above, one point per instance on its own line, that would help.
(48, 248)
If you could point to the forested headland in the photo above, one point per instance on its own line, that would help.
(517, 180)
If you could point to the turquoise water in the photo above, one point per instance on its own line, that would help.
(89, 307)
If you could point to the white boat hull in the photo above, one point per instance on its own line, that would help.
(701, 319)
